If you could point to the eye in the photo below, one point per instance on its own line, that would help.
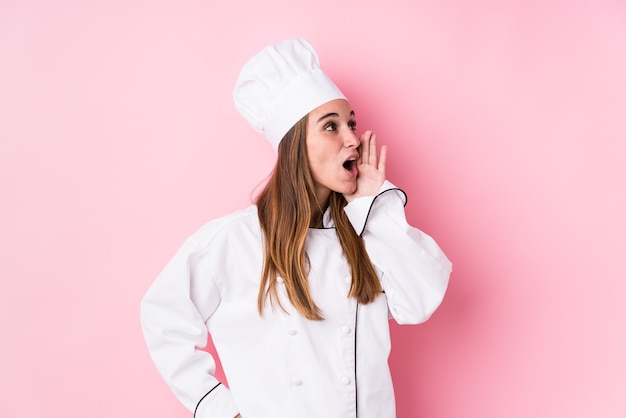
(330, 126)
(352, 125)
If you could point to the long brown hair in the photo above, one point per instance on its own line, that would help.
(284, 210)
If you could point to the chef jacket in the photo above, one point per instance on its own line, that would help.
(281, 364)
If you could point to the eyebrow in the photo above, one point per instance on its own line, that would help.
(330, 115)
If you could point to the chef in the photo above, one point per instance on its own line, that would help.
(296, 290)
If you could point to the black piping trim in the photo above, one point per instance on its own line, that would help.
(406, 199)
(201, 399)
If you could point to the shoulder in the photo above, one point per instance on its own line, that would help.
(235, 225)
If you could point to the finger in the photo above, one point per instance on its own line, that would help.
(373, 153)
(382, 163)
(365, 147)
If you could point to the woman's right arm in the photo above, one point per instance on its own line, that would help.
(173, 316)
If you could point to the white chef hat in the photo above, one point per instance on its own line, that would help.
(281, 84)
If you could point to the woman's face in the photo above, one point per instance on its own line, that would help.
(333, 148)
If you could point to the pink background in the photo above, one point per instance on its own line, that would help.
(506, 125)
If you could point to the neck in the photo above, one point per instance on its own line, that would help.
(317, 212)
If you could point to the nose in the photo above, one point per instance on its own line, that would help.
(351, 139)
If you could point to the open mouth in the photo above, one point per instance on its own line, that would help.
(350, 164)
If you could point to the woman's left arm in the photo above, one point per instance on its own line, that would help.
(413, 269)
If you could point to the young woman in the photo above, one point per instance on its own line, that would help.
(296, 290)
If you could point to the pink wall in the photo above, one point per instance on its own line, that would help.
(506, 125)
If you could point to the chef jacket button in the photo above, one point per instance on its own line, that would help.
(297, 382)
(345, 329)
(346, 380)
(292, 332)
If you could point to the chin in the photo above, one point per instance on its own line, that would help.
(350, 190)
(345, 188)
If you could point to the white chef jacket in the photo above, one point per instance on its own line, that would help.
(281, 364)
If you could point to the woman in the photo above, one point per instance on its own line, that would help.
(296, 291)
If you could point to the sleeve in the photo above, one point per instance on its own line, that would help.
(173, 318)
(414, 270)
